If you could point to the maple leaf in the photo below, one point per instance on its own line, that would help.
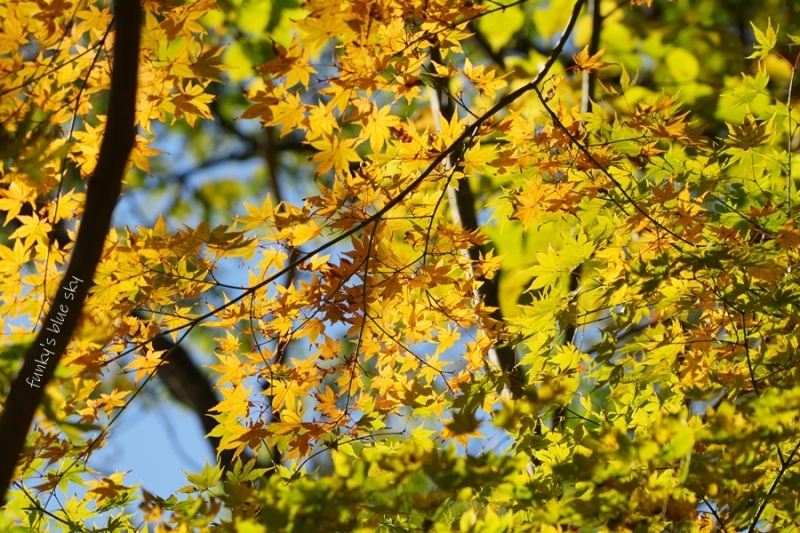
(184, 21)
(285, 392)
(232, 370)
(327, 403)
(86, 148)
(750, 134)
(321, 121)
(463, 426)
(485, 80)
(257, 216)
(476, 158)
(289, 423)
(289, 113)
(451, 39)
(378, 127)
(13, 259)
(192, 103)
(408, 86)
(13, 35)
(240, 437)
(142, 152)
(94, 20)
(109, 401)
(13, 198)
(262, 108)
(765, 42)
(301, 234)
(319, 29)
(33, 229)
(292, 63)
(335, 153)
(432, 368)
(208, 64)
(145, 364)
(789, 236)
(590, 64)
(235, 403)
(107, 487)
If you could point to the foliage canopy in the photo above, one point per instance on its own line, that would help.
(523, 266)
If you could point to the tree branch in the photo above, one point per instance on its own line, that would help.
(590, 78)
(103, 190)
(462, 203)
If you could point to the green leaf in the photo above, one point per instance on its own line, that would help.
(751, 87)
(548, 271)
(244, 472)
(625, 79)
(765, 42)
(206, 479)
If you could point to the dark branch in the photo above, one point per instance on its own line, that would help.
(103, 191)
(463, 206)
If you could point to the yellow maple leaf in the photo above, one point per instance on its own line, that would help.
(33, 229)
(109, 401)
(321, 121)
(262, 106)
(432, 368)
(208, 64)
(327, 403)
(476, 157)
(319, 29)
(192, 103)
(289, 114)
(285, 392)
(289, 423)
(141, 152)
(13, 198)
(235, 402)
(334, 153)
(257, 216)
(107, 487)
(486, 81)
(588, 64)
(377, 127)
(11, 261)
(302, 233)
(145, 364)
(232, 369)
